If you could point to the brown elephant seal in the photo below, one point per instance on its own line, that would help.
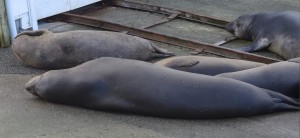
(207, 65)
(47, 50)
(133, 86)
(280, 32)
(283, 77)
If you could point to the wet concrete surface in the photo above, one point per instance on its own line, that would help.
(24, 115)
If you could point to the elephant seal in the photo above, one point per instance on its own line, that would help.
(280, 32)
(133, 86)
(282, 77)
(207, 65)
(47, 50)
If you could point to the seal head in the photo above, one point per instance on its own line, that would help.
(30, 86)
(241, 27)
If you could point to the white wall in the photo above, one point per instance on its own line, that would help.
(46, 8)
(29, 11)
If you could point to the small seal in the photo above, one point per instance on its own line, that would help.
(280, 32)
(133, 86)
(207, 65)
(47, 50)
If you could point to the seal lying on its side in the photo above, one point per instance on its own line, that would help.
(282, 77)
(207, 65)
(47, 50)
(139, 87)
(280, 31)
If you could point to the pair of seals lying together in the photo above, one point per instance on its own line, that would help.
(282, 77)
(133, 86)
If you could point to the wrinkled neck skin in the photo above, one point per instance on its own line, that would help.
(249, 32)
(254, 27)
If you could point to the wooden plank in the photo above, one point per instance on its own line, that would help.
(171, 17)
(166, 10)
(4, 30)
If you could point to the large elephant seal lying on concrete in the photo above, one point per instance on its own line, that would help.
(283, 77)
(280, 31)
(47, 50)
(139, 87)
(207, 65)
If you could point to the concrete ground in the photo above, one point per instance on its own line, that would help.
(23, 115)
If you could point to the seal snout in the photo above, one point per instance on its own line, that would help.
(31, 84)
(229, 27)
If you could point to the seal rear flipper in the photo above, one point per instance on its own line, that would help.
(178, 63)
(246, 49)
(280, 98)
(33, 33)
(285, 107)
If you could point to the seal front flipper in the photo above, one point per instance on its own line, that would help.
(160, 52)
(33, 33)
(178, 63)
(258, 44)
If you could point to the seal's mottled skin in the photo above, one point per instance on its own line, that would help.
(280, 32)
(207, 65)
(133, 86)
(283, 77)
(47, 50)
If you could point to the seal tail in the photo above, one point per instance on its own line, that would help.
(160, 52)
(33, 33)
(284, 99)
(286, 107)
